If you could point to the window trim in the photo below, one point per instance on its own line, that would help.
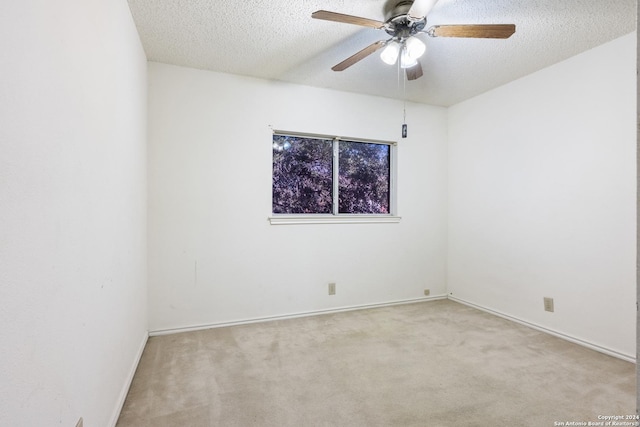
(342, 218)
(290, 219)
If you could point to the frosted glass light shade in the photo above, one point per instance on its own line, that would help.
(390, 53)
(407, 61)
(415, 48)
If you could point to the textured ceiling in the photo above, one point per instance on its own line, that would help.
(278, 40)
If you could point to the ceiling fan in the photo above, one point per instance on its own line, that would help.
(403, 22)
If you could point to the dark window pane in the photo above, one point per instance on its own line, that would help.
(302, 175)
(364, 178)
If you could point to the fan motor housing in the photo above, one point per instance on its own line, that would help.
(398, 23)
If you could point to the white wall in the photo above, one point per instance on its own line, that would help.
(637, 210)
(542, 197)
(214, 257)
(72, 210)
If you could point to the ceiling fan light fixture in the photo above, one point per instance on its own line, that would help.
(403, 22)
(390, 53)
(415, 47)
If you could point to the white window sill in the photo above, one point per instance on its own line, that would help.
(333, 219)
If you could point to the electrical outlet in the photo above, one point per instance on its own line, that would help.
(427, 292)
(548, 304)
(332, 288)
(80, 422)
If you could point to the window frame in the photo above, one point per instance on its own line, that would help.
(336, 217)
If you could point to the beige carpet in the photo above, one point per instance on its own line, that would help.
(432, 364)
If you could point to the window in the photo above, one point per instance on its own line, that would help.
(326, 176)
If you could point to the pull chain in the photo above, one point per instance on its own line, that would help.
(404, 106)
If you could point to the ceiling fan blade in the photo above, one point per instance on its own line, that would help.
(498, 31)
(414, 72)
(420, 8)
(358, 56)
(348, 19)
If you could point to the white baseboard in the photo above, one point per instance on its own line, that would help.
(129, 380)
(169, 331)
(592, 346)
